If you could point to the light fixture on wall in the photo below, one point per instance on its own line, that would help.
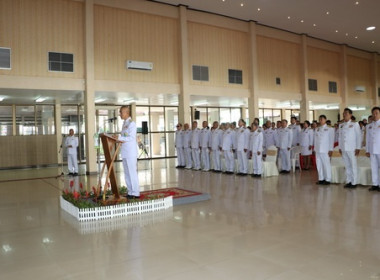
(360, 89)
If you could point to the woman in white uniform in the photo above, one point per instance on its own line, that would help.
(306, 142)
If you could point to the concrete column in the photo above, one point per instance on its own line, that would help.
(14, 130)
(344, 80)
(304, 104)
(184, 114)
(243, 113)
(375, 81)
(253, 100)
(58, 133)
(133, 111)
(89, 95)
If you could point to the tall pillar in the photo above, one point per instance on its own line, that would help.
(58, 126)
(304, 105)
(253, 100)
(133, 111)
(14, 129)
(89, 95)
(184, 114)
(344, 81)
(375, 80)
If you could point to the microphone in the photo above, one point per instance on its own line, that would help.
(112, 119)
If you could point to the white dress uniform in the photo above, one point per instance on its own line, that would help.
(323, 144)
(241, 144)
(349, 141)
(285, 138)
(269, 138)
(179, 135)
(129, 156)
(205, 139)
(195, 151)
(256, 145)
(72, 158)
(187, 148)
(306, 140)
(227, 145)
(373, 148)
(216, 143)
(296, 130)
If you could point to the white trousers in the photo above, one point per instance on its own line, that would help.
(285, 159)
(257, 163)
(216, 159)
(189, 162)
(229, 160)
(323, 167)
(351, 165)
(181, 157)
(205, 159)
(72, 163)
(243, 161)
(131, 177)
(375, 165)
(195, 152)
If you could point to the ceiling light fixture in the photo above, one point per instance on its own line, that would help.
(314, 24)
(40, 99)
(241, 4)
(258, 9)
(356, 37)
(327, 13)
(346, 34)
(1, 98)
(370, 28)
(98, 100)
(301, 20)
(288, 17)
(336, 31)
(357, 3)
(373, 42)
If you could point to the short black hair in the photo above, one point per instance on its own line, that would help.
(308, 123)
(348, 110)
(293, 117)
(323, 117)
(375, 108)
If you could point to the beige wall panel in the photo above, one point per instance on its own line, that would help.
(277, 58)
(324, 66)
(122, 35)
(220, 49)
(320, 44)
(17, 151)
(275, 33)
(32, 28)
(359, 74)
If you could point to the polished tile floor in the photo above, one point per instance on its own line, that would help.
(275, 228)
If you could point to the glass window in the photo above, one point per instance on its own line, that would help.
(225, 115)
(142, 115)
(25, 120)
(45, 119)
(158, 144)
(235, 115)
(261, 116)
(6, 123)
(143, 144)
(171, 151)
(276, 115)
(311, 116)
(157, 120)
(288, 114)
(213, 115)
(107, 120)
(171, 118)
(267, 115)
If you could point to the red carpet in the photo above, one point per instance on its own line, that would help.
(180, 196)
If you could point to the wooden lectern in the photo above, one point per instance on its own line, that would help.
(109, 144)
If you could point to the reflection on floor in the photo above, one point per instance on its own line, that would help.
(282, 227)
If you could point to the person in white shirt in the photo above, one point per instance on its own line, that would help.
(195, 146)
(71, 143)
(179, 146)
(256, 148)
(373, 147)
(227, 145)
(242, 143)
(269, 137)
(349, 146)
(215, 144)
(205, 139)
(306, 143)
(285, 138)
(129, 152)
(323, 147)
(186, 145)
(296, 130)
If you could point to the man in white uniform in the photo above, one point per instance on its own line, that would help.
(296, 130)
(256, 147)
(323, 147)
(195, 146)
(285, 138)
(186, 146)
(349, 147)
(373, 147)
(242, 143)
(71, 143)
(216, 143)
(306, 143)
(179, 147)
(129, 153)
(227, 145)
(269, 137)
(205, 139)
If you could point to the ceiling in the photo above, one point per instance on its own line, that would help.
(338, 21)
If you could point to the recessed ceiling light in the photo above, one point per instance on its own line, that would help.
(40, 99)
(370, 28)
(314, 24)
(301, 20)
(373, 42)
(241, 4)
(258, 9)
(356, 37)
(327, 13)
(288, 17)
(346, 34)
(336, 31)
(1, 98)
(357, 3)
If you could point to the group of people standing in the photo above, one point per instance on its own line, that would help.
(197, 148)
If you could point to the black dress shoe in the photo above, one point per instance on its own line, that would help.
(321, 182)
(348, 185)
(326, 183)
(70, 174)
(75, 174)
(133, 197)
(374, 188)
(243, 174)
